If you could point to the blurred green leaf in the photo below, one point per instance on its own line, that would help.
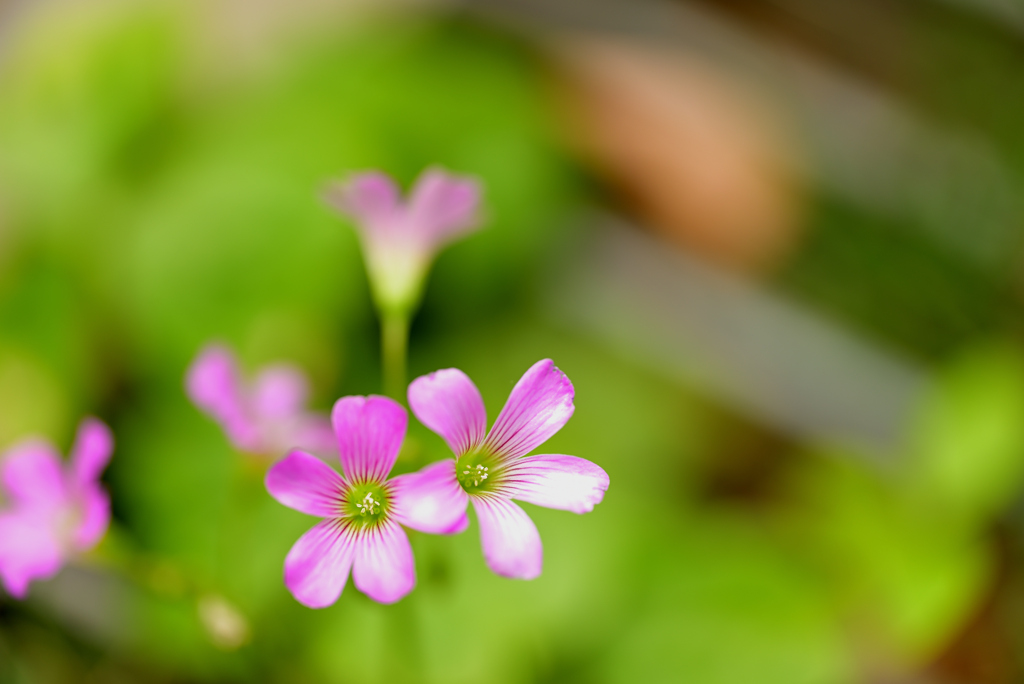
(906, 581)
(967, 451)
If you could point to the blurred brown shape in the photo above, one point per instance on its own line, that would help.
(983, 652)
(697, 155)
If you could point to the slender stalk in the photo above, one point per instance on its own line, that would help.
(394, 341)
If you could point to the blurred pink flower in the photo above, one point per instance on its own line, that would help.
(491, 469)
(52, 511)
(399, 238)
(363, 510)
(266, 416)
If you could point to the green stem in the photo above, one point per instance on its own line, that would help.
(394, 341)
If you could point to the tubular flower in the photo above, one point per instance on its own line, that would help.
(264, 416)
(492, 468)
(363, 510)
(399, 238)
(53, 511)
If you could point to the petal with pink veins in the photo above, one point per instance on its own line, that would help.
(510, 540)
(430, 500)
(28, 551)
(317, 567)
(32, 476)
(369, 431)
(91, 453)
(555, 481)
(384, 568)
(95, 517)
(307, 484)
(448, 402)
(539, 405)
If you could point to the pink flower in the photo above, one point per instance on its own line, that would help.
(400, 239)
(491, 469)
(265, 416)
(53, 511)
(363, 510)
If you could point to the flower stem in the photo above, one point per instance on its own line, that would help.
(394, 341)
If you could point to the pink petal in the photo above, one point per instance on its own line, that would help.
(214, 385)
(460, 526)
(305, 483)
(95, 518)
(443, 206)
(212, 380)
(369, 431)
(511, 543)
(384, 568)
(91, 453)
(32, 476)
(540, 404)
(279, 391)
(430, 500)
(370, 198)
(448, 402)
(316, 568)
(29, 551)
(555, 481)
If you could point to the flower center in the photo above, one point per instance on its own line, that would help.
(478, 472)
(475, 474)
(366, 504)
(369, 505)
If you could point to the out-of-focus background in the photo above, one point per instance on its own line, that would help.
(775, 244)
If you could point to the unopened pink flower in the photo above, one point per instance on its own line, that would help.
(52, 510)
(363, 510)
(400, 238)
(492, 468)
(265, 416)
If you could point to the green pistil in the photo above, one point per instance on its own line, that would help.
(478, 472)
(366, 504)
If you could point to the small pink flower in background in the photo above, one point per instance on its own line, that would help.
(399, 238)
(51, 510)
(265, 416)
(491, 469)
(363, 510)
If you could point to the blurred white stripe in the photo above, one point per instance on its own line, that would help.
(786, 366)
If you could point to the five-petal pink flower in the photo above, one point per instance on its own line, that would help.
(399, 238)
(491, 469)
(363, 510)
(51, 511)
(265, 416)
